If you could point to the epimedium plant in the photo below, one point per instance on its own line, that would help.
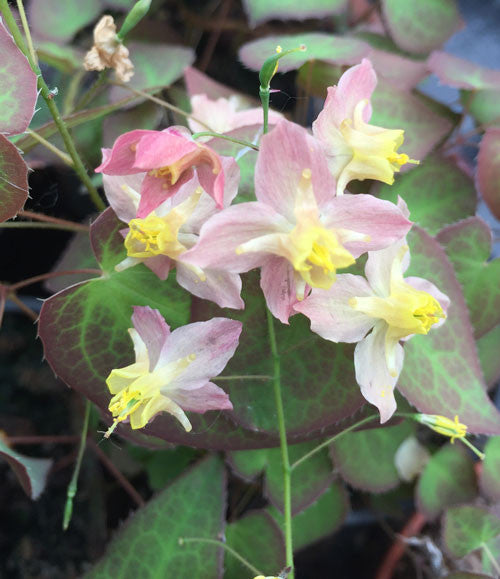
(306, 301)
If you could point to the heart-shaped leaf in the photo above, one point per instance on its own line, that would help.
(262, 10)
(467, 528)
(13, 180)
(468, 245)
(148, 544)
(488, 170)
(462, 73)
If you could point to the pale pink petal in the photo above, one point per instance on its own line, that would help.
(140, 350)
(221, 287)
(161, 149)
(330, 313)
(372, 374)
(120, 160)
(153, 330)
(381, 220)
(213, 344)
(217, 114)
(284, 154)
(427, 286)
(212, 182)
(122, 193)
(230, 228)
(379, 265)
(155, 191)
(277, 280)
(160, 265)
(208, 397)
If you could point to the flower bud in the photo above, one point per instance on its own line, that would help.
(139, 10)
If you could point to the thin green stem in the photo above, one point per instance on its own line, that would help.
(225, 546)
(73, 485)
(287, 471)
(492, 559)
(476, 451)
(26, 29)
(54, 111)
(94, 88)
(264, 98)
(226, 138)
(65, 158)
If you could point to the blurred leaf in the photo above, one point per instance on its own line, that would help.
(489, 480)
(365, 458)
(259, 11)
(466, 528)
(461, 73)
(488, 347)
(60, 21)
(164, 466)
(310, 479)
(468, 246)
(67, 59)
(465, 575)
(148, 544)
(493, 547)
(13, 180)
(483, 105)
(198, 82)
(31, 472)
(319, 520)
(18, 87)
(437, 192)
(448, 479)
(421, 26)
(488, 170)
(146, 116)
(259, 540)
(319, 46)
(441, 373)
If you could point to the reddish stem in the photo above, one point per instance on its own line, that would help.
(214, 37)
(52, 274)
(56, 439)
(48, 219)
(23, 307)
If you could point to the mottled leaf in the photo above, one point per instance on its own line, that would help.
(483, 105)
(466, 528)
(448, 479)
(258, 538)
(148, 544)
(488, 347)
(60, 21)
(156, 66)
(437, 192)
(461, 73)
(319, 46)
(421, 26)
(262, 10)
(13, 180)
(488, 170)
(441, 373)
(365, 458)
(489, 480)
(18, 92)
(310, 479)
(468, 245)
(319, 520)
(31, 472)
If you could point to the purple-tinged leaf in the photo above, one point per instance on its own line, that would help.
(147, 115)
(441, 372)
(488, 170)
(148, 544)
(319, 46)
(447, 479)
(468, 246)
(467, 528)
(461, 73)
(488, 347)
(13, 180)
(198, 82)
(421, 26)
(259, 11)
(399, 71)
(18, 92)
(31, 472)
(483, 105)
(489, 480)
(60, 21)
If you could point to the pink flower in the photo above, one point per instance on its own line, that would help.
(297, 231)
(160, 239)
(168, 158)
(172, 370)
(355, 149)
(393, 307)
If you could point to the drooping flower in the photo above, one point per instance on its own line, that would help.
(356, 149)
(394, 308)
(169, 159)
(172, 370)
(160, 239)
(297, 231)
(108, 51)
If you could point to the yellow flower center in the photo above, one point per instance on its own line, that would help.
(149, 236)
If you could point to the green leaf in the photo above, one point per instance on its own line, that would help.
(156, 66)
(488, 170)
(421, 26)
(319, 46)
(468, 245)
(488, 347)
(60, 21)
(310, 479)
(146, 115)
(66, 59)
(448, 479)
(466, 528)
(31, 472)
(258, 539)
(489, 481)
(461, 73)
(491, 550)
(396, 109)
(483, 105)
(319, 520)
(18, 92)
(437, 192)
(13, 180)
(441, 373)
(148, 544)
(365, 458)
(163, 466)
(259, 11)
